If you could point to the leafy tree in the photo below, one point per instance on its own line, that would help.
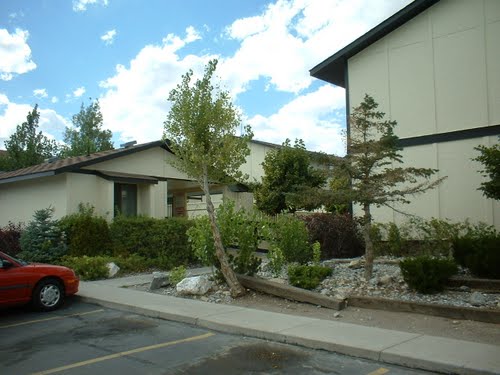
(26, 146)
(289, 180)
(371, 177)
(490, 158)
(201, 129)
(87, 135)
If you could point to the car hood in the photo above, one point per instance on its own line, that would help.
(48, 267)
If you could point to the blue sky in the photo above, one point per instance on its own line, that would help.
(129, 54)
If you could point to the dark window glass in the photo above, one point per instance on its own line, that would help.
(126, 199)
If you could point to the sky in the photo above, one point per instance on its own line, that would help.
(130, 54)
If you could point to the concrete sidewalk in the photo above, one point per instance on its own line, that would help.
(406, 349)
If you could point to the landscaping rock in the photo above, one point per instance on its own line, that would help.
(477, 299)
(198, 285)
(356, 263)
(385, 280)
(464, 288)
(159, 279)
(112, 269)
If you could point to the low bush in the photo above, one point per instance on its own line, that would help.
(88, 268)
(289, 234)
(132, 263)
(276, 260)
(163, 241)
(426, 274)
(338, 234)
(10, 236)
(86, 233)
(479, 251)
(177, 274)
(43, 241)
(307, 277)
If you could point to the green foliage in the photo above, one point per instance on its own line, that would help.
(88, 268)
(26, 147)
(307, 277)
(479, 251)
(86, 136)
(289, 180)
(177, 274)
(338, 234)
(289, 234)
(426, 274)
(132, 263)
(276, 260)
(490, 159)
(201, 129)
(316, 247)
(86, 233)
(238, 228)
(163, 240)
(10, 236)
(42, 240)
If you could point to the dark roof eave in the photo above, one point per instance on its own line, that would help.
(332, 69)
(27, 177)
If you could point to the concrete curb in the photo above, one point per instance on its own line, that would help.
(400, 348)
(450, 312)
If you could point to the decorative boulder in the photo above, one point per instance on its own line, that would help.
(159, 279)
(198, 285)
(357, 263)
(112, 269)
(385, 280)
(477, 299)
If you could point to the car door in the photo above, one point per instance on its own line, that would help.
(14, 283)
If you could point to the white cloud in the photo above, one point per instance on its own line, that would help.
(54, 99)
(310, 117)
(135, 103)
(291, 37)
(79, 92)
(12, 114)
(40, 93)
(109, 37)
(15, 54)
(81, 5)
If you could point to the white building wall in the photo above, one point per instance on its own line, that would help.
(19, 204)
(90, 189)
(439, 72)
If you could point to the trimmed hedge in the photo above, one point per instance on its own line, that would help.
(481, 255)
(164, 240)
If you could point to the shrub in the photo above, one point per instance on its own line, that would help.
(240, 229)
(276, 260)
(316, 247)
(132, 263)
(290, 235)
(307, 277)
(426, 274)
(479, 251)
(88, 268)
(163, 241)
(86, 234)
(177, 274)
(10, 236)
(42, 240)
(338, 234)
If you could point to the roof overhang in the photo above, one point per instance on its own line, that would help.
(334, 68)
(27, 177)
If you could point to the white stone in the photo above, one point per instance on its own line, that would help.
(477, 299)
(357, 263)
(198, 285)
(385, 280)
(112, 269)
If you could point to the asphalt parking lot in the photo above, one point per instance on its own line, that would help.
(83, 338)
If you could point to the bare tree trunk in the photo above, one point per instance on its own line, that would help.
(228, 273)
(368, 242)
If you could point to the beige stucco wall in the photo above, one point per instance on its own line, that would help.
(89, 189)
(253, 164)
(439, 72)
(19, 204)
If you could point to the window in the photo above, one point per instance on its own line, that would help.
(126, 199)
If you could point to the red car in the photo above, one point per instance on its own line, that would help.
(44, 285)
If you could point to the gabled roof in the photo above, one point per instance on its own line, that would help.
(333, 69)
(75, 163)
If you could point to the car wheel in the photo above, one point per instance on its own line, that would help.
(48, 295)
